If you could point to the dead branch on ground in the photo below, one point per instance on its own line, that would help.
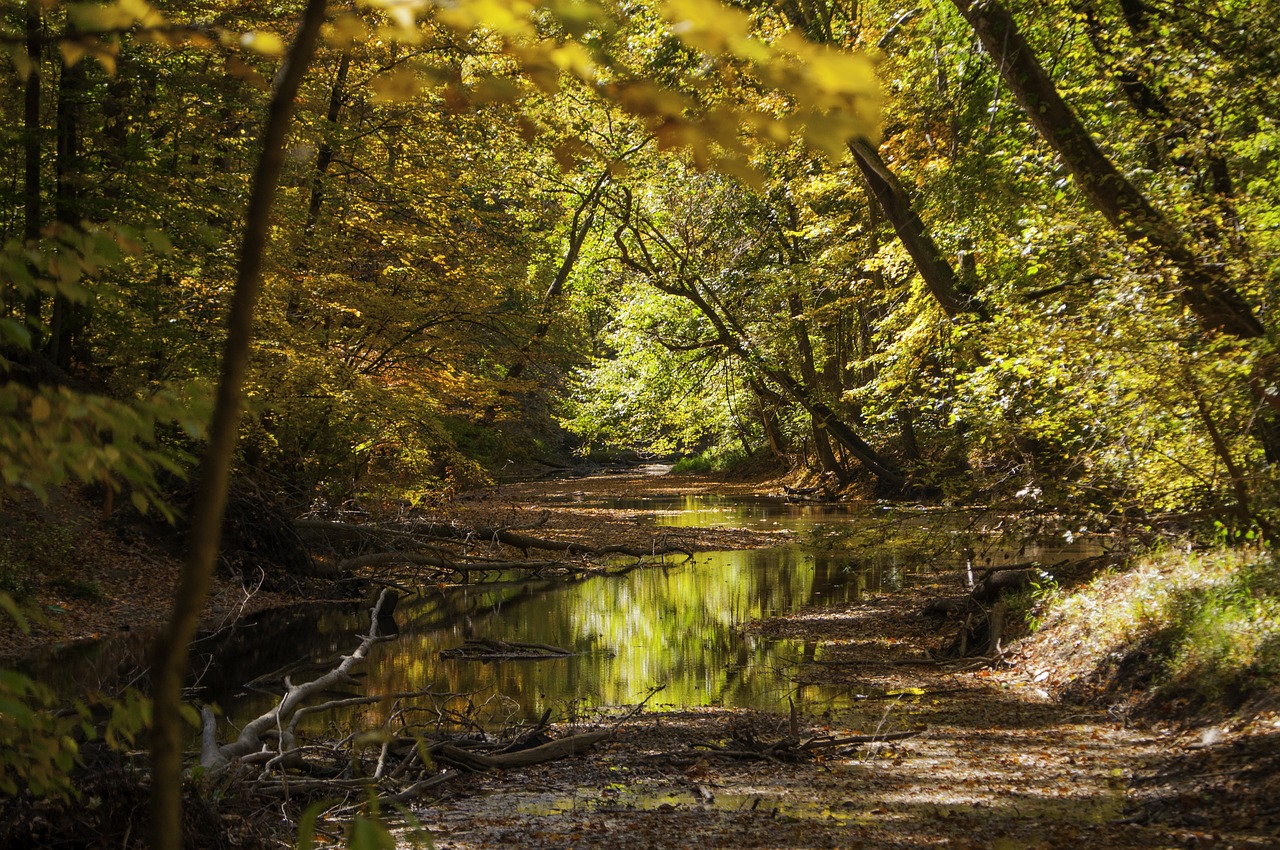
(397, 762)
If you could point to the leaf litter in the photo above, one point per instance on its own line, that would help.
(950, 755)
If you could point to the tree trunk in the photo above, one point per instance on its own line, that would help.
(324, 156)
(892, 198)
(885, 188)
(809, 378)
(69, 319)
(584, 218)
(170, 658)
(1206, 291)
(31, 156)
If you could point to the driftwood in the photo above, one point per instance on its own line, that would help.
(982, 611)
(993, 584)
(447, 531)
(791, 748)
(448, 550)
(397, 762)
(417, 531)
(284, 715)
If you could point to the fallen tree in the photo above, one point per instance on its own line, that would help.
(449, 551)
(396, 762)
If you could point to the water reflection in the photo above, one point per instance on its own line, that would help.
(680, 625)
(712, 511)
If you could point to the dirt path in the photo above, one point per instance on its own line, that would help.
(996, 762)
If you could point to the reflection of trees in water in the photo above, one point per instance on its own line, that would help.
(681, 624)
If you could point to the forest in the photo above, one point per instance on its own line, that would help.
(279, 276)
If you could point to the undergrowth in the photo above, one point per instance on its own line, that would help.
(1198, 627)
(711, 460)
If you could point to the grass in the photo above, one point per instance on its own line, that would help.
(711, 460)
(1203, 626)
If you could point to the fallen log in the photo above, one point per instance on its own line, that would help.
(216, 758)
(446, 531)
(557, 749)
(418, 531)
(820, 743)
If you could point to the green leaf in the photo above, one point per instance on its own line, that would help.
(369, 834)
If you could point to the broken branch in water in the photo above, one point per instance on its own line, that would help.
(487, 649)
(216, 758)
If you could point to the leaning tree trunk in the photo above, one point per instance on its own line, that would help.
(885, 188)
(1205, 290)
(170, 660)
(892, 198)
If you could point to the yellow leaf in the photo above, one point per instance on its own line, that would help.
(266, 43)
(91, 17)
(575, 59)
(399, 85)
(40, 409)
(139, 501)
(403, 13)
(240, 70)
(21, 62)
(844, 73)
(72, 52)
(490, 89)
(106, 56)
(346, 30)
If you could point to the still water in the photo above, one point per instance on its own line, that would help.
(682, 625)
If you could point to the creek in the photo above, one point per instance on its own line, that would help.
(683, 625)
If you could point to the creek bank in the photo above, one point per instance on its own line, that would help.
(958, 755)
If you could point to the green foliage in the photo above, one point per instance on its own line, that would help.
(39, 745)
(38, 749)
(1210, 620)
(50, 433)
(711, 460)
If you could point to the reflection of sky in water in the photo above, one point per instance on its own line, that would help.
(681, 626)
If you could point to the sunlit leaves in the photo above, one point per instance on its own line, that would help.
(833, 94)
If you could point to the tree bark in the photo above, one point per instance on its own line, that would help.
(68, 318)
(324, 156)
(892, 198)
(1206, 291)
(31, 156)
(809, 378)
(885, 188)
(170, 654)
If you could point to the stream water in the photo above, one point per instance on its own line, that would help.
(681, 626)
